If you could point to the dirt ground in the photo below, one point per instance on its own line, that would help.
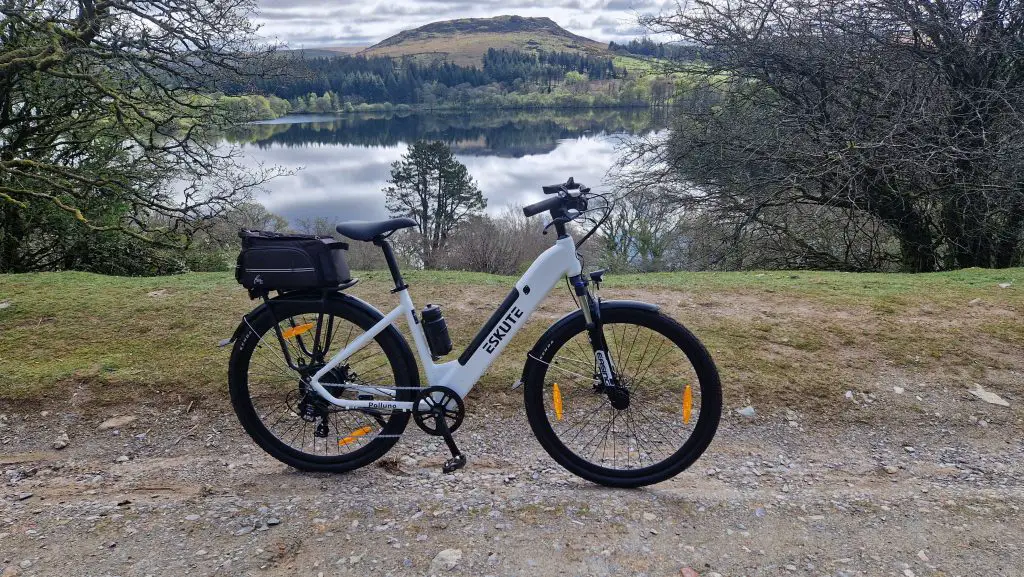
(921, 481)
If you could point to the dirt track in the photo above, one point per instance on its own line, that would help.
(891, 489)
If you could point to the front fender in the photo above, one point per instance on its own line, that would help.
(576, 316)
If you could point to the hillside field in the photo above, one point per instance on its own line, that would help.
(468, 50)
(465, 41)
(796, 340)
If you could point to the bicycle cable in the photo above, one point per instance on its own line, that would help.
(607, 208)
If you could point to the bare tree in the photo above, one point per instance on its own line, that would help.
(105, 116)
(319, 225)
(505, 244)
(644, 233)
(902, 116)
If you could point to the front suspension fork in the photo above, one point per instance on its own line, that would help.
(591, 308)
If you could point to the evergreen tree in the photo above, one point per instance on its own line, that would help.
(430, 185)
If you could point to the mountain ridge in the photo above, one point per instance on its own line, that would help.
(465, 40)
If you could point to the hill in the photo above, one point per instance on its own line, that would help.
(465, 41)
(324, 52)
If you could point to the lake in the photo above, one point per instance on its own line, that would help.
(342, 163)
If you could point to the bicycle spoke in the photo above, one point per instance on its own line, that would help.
(590, 415)
(276, 391)
(567, 371)
(577, 361)
(631, 345)
(583, 352)
(641, 434)
(642, 375)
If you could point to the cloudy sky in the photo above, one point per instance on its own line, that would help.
(312, 23)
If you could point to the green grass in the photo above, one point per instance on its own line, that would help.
(638, 66)
(795, 339)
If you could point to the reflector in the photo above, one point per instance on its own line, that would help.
(687, 404)
(556, 397)
(296, 331)
(353, 436)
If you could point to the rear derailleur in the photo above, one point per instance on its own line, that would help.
(312, 409)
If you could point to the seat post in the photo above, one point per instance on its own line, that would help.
(389, 257)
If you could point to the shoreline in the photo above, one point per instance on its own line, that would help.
(405, 110)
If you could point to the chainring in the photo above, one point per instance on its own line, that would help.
(438, 401)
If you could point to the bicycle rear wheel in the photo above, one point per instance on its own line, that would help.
(655, 425)
(291, 422)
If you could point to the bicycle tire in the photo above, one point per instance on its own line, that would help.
(538, 387)
(259, 334)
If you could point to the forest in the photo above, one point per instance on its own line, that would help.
(645, 47)
(358, 80)
(508, 78)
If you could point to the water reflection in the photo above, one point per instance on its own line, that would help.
(342, 163)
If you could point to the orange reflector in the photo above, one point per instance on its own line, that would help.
(556, 397)
(687, 403)
(296, 331)
(355, 435)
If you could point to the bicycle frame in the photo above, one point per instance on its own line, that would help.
(462, 374)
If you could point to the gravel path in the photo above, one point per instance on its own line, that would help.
(885, 488)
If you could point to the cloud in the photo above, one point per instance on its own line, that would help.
(605, 21)
(624, 31)
(630, 5)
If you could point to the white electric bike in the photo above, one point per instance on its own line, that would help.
(616, 392)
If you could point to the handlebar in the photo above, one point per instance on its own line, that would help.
(563, 197)
(570, 202)
(546, 204)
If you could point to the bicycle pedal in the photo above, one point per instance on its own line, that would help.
(455, 463)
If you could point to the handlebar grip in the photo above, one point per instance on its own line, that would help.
(539, 207)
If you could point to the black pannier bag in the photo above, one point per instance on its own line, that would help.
(271, 261)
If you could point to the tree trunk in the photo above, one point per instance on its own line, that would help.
(917, 243)
(916, 252)
(1007, 245)
(12, 230)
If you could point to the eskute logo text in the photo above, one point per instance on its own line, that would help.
(506, 324)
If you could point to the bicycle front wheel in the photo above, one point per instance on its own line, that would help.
(275, 405)
(657, 422)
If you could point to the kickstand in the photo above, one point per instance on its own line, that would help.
(458, 460)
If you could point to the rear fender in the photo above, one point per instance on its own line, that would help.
(316, 295)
